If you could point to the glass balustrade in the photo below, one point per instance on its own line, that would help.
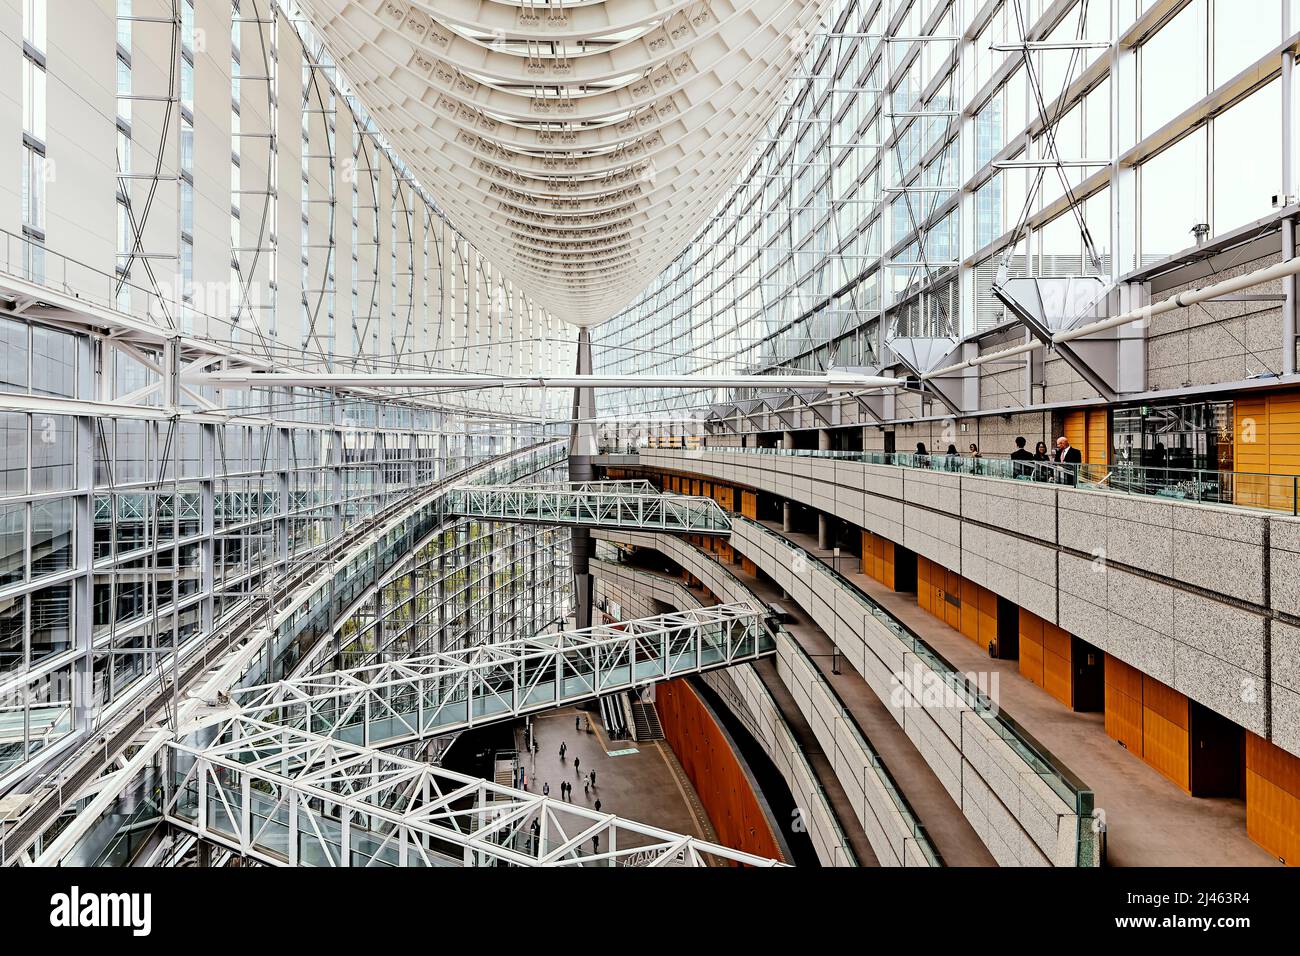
(1235, 488)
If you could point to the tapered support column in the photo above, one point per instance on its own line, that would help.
(823, 532)
(582, 452)
(787, 517)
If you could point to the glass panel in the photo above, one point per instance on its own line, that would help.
(13, 453)
(12, 561)
(51, 621)
(53, 453)
(51, 536)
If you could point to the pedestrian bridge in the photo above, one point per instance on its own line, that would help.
(288, 797)
(383, 705)
(631, 505)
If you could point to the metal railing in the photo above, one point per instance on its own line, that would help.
(1239, 489)
(1073, 791)
(382, 705)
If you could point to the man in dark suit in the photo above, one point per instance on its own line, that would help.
(1020, 456)
(1068, 459)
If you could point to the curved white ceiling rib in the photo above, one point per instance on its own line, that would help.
(578, 147)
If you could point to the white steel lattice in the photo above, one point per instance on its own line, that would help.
(386, 704)
(292, 798)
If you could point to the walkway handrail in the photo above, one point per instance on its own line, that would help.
(1041, 760)
(546, 504)
(1236, 489)
(419, 697)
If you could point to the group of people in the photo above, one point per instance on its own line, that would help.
(1061, 465)
(566, 788)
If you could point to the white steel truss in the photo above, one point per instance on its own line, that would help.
(590, 508)
(578, 145)
(383, 705)
(291, 798)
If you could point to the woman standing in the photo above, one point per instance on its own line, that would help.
(1042, 462)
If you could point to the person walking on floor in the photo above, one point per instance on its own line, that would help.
(576, 762)
(593, 778)
(598, 804)
(546, 789)
(563, 747)
(586, 787)
(577, 723)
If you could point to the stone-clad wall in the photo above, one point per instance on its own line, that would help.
(1204, 598)
(1020, 818)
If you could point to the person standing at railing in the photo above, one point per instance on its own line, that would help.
(975, 456)
(951, 460)
(1019, 456)
(922, 456)
(1042, 470)
(1068, 460)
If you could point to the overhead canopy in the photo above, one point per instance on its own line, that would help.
(578, 147)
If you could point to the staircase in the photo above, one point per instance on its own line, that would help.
(645, 722)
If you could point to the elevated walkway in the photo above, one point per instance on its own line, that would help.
(384, 705)
(287, 797)
(611, 505)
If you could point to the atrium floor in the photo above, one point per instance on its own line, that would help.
(647, 785)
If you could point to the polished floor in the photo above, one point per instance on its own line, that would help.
(646, 784)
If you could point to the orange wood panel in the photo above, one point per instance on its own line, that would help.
(952, 590)
(749, 505)
(1098, 437)
(714, 771)
(1058, 670)
(1124, 704)
(1273, 798)
(1075, 428)
(1165, 740)
(1031, 646)
(988, 616)
(970, 610)
(887, 562)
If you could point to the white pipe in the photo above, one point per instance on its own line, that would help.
(245, 379)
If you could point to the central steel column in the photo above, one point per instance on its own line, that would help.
(582, 452)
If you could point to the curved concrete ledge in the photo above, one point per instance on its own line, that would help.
(858, 768)
(753, 705)
(1002, 791)
(1204, 598)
